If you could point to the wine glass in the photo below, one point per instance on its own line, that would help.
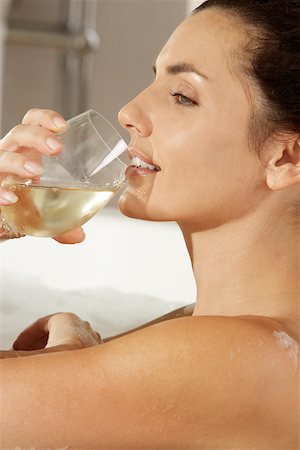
(76, 184)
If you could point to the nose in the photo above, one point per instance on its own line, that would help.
(135, 118)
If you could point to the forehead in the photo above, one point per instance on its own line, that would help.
(207, 39)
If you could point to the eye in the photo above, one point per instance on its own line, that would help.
(182, 100)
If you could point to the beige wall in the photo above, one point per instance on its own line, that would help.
(4, 4)
(192, 4)
(132, 32)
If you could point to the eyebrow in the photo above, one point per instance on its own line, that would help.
(182, 68)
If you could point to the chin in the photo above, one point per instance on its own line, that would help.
(131, 206)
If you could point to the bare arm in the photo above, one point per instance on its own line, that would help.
(159, 387)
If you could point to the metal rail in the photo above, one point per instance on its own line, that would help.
(77, 40)
(60, 40)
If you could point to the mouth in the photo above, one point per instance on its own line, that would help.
(137, 162)
(140, 161)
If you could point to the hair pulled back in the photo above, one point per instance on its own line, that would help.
(270, 57)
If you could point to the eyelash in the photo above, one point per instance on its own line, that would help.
(178, 95)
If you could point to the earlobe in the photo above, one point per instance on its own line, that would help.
(283, 176)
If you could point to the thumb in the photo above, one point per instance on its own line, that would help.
(61, 329)
(72, 237)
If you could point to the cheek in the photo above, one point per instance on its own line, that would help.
(205, 177)
(192, 162)
(206, 174)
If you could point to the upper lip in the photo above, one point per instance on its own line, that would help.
(132, 151)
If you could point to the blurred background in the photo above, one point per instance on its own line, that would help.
(70, 56)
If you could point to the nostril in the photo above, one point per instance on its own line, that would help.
(130, 127)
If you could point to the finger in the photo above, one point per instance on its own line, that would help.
(5, 234)
(31, 340)
(69, 329)
(63, 328)
(36, 332)
(45, 118)
(32, 137)
(90, 330)
(19, 164)
(7, 197)
(72, 237)
(35, 345)
(97, 337)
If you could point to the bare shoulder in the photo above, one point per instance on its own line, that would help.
(219, 380)
(192, 383)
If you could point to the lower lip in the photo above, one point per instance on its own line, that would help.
(133, 171)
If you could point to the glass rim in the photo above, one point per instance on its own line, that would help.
(89, 113)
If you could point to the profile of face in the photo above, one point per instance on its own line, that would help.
(192, 122)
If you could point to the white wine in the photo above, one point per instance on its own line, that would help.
(51, 211)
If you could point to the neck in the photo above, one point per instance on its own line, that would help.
(249, 266)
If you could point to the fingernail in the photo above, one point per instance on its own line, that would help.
(59, 123)
(53, 144)
(9, 197)
(34, 168)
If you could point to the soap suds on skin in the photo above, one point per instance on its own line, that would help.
(289, 344)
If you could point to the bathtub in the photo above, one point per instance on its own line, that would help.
(125, 273)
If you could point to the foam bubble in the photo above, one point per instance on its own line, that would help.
(289, 344)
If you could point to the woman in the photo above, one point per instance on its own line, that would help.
(221, 123)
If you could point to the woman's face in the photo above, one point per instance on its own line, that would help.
(192, 122)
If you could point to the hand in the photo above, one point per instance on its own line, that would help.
(60, 329)
(20, 154)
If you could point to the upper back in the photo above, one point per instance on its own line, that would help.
(216, 382)
(200, 383)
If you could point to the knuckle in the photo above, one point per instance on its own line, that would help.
(49, 113)
(22, 132)
(40, 137)
(15, 130)
(69, 315)
(46, 115)
(58, 314)
(42, 114)
(30, 112)
(97, 336)
(90, 328)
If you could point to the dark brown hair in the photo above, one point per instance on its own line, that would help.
(269, 56)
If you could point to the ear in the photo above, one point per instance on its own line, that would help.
(284, 166)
